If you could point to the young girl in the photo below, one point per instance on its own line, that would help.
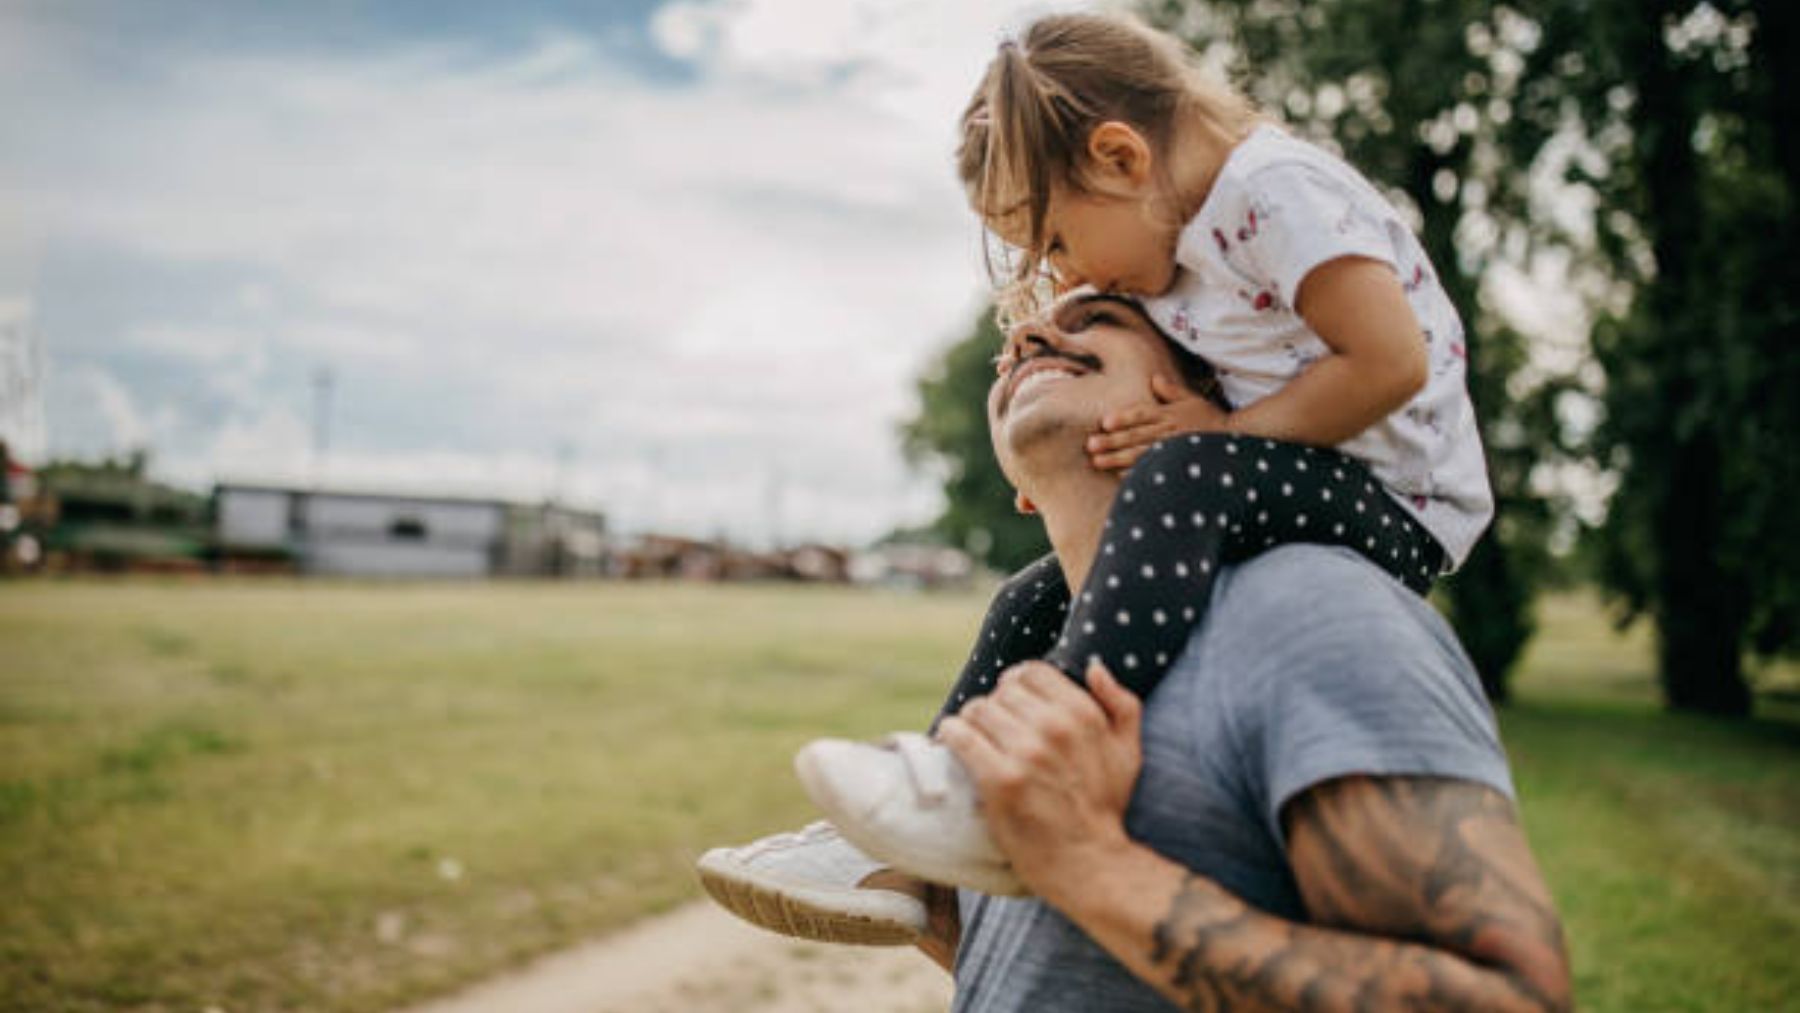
(1097, 151)
(1100, 153)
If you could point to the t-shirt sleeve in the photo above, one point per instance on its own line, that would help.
(1361, 677)
(1297, 217)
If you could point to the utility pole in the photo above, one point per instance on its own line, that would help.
(21, 389)
(565, 459)
(774, 490)
(322, 382)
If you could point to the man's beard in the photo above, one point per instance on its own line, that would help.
(1046, 433)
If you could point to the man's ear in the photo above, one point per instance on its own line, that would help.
(1023, 503)
(1120, 152)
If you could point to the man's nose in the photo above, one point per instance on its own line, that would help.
(1028, 338)
(1021, 333)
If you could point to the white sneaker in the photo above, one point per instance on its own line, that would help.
(908, 801)
(804, 884)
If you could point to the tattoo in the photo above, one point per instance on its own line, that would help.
(1422, 895)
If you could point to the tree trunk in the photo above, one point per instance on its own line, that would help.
(1700, 621)
(1776, 46)
(1702, 611)
(1488, 606)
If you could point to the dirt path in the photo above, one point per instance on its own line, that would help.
(698, 959)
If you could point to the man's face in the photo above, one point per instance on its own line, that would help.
(1062, 371)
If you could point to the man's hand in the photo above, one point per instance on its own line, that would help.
(1127, 434)
(1054, 765)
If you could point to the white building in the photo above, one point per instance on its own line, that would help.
(385, 535)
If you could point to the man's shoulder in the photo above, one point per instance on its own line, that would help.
(1316, 593)
(1304, 630)
(1317, 665)
(1318, 638)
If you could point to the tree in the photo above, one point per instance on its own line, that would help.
(1436, 101)
(1645, 149)
(950, 432)
(1700, 416)
(1670, 122)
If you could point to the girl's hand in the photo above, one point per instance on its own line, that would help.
(1126, 435)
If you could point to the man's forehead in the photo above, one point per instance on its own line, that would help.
(1080, 300)
(1064, 314)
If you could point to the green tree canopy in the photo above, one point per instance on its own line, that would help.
(1433, 100)
(950, 433)
(1645, 151)
(1697, 108)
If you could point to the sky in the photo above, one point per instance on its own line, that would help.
(682, 261)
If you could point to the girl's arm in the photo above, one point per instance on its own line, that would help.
(1378, 360)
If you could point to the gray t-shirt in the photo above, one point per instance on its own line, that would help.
(1311, 664)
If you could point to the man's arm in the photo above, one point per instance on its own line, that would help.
(1439, 861)
(1424, 890)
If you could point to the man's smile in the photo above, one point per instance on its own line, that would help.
(1048, 372)
(1047, 365)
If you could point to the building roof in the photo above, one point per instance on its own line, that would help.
(361, 494)
(373, 496)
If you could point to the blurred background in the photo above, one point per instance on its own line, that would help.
(453, 453)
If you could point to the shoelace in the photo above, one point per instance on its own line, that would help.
(924, 767)
(812, 833)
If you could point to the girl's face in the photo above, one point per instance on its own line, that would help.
(1111, 241)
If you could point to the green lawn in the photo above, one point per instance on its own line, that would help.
(1672, 842)
(275, 795)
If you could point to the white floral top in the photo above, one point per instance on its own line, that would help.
(1280, 208)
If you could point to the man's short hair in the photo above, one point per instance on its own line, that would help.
(1195, 373)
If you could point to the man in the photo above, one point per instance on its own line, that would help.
(1322, 817)
(1311, 811)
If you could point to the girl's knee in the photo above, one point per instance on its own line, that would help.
(1187, 458)
(1037, 587)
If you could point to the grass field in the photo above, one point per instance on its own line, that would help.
(310, 796)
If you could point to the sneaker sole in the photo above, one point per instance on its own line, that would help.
(923, 861)
(881, 918)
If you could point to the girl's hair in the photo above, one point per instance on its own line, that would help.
(1026, 128)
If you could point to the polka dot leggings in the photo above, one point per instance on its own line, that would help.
(1189, 505)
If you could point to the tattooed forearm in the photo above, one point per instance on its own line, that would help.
(1423, 896)
(1434, 860)
(1221, 955)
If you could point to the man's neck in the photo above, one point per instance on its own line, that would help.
(1074, 503)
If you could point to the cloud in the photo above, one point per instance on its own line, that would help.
(915, 59)
(701, 284)
(207, 345)
(127, 424)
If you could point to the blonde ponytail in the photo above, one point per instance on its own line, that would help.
(1025, 130)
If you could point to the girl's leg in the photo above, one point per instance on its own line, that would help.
(1196, 501)
(1022, 623)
